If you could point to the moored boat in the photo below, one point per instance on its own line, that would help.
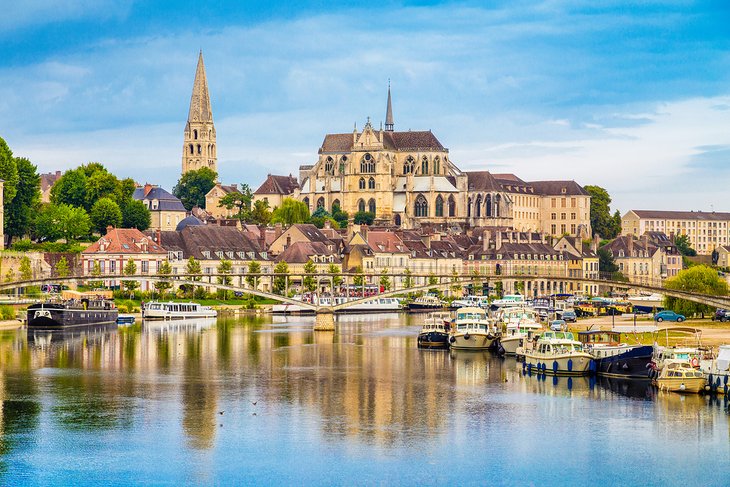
(681, 377)
(556, 352)
(471, 300)
(176, 311)
(717, 370)
(519, 323)
(472, 330)
(508, 300)
(613, 358)
(425, 303)
(75, 312)
(435, 331)
(125, 320)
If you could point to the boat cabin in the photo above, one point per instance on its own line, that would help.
(598, 337)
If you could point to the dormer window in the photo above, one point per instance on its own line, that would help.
(206, 254)
(219, 254)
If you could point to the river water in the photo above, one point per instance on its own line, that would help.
(266, 400)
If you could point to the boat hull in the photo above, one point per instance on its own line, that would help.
(433, 339)
(424, 307)
(54, 317)
(511, 343)
(471, 341)
(161, 315)
(689, 385)
(634, 363)
(718, 382)
(565, 364)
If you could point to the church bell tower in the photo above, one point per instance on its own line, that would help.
(199, 147)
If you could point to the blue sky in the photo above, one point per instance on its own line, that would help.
(634, 96)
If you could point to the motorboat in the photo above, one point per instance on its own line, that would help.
(425, 303)
(155, 310)
(519, 323)
(471, 300)
(686, 349)
(435, 331)
(125, 319)
(717, 370)
(556, 352)
(472, 330)
(508, 300)
(681, 377)
(372, 305)
(614, 358)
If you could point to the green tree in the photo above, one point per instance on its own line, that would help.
(100, 184)
(340, 216)
(605, 261)
(602, 222)
(261, 214)
(130, 269)
(684, 246)
(193, 186)
(164, 270)
(364, 217)
(70, 189)
(104, 213)
(61, 221)
(432, 280)
(279, 286)
(455, 286)
(334, 271)
(240, 201)
(194, 270)
(135, 214)
(310, 283)
(225, 267)
(8, 173)
(359, 278)
(408, 279)
(253, 268)
(10, 275)
(96, 272)
(26, 273)
(700, 279)
(385, 280)
(61, 267)
(290, 212)
(21, 210)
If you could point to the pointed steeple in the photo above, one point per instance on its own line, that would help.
(199, 146)
(389, 113)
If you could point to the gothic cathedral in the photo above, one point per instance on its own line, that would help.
(199, 147)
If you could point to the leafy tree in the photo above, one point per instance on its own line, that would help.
(26, 273)
(432, 280)
(700, 279)
(10, 275)
(70, 189)
(359, 278)
(194, 269)
(364, 217)
(61, 221)
(225, 267)
(605, 261)
(130, 269)
(164, 270)
(61, 268)
(19, 213)
(100, 184)
(193, 186)
(684, 246)
(253, 268)
(105, 212)
(385, 280)
(240, 201)
(334, 271)
(602, 222)
(279, 286)
(320, 217)
(96, 272)
(455, 286)
(309, 282)
(290, 212)
(8, 172)
(408, 279)
(135, 214)
(340, 216)
(261, 214)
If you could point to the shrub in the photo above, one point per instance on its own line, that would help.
(7, 312)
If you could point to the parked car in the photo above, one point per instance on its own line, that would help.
(558, 325)
(570, 316)
(669, 315)
(722, 315)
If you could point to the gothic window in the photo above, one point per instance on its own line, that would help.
(497, 200)
(192, 151)
(478, 207)
(320, 202)
(306, 202)
(371, 206)
(362, 183)
(329, 166)
(489, 205)
(436, 165)
(200, 150)
(195, 134)
(343, 161)
(421, 206)
(367, 165)
(468, 208)
(439, 206)
(361, 205)
(336, 205)
(409, 165)
(396, 220)
(371, 183)
(452, 206)
(424, 165)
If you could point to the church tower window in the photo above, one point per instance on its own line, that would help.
(362, 183)
(436, 166)
(421, 206)
(361, 205)
(371, 206)
(320, 202)
(478, 207)
(367, 165)
(424, 165)
(371, 183)
(195, 134)
(489, 205)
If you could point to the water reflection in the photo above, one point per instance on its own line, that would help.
(240, 391)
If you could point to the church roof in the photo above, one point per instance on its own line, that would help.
(200, 110)
(401, 141)
(482, 181)
(389, 113)
(283, 185)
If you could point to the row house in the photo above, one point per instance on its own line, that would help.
(645, 260)
(583, 262)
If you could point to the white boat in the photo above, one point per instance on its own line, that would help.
(717, 370)
(471, 300)
(373, 305)
(508, 300)
(472, 330)
(519, 324)
(556, 352)
(681, 377)
(176, 311)
(425, 303)
(688, 348)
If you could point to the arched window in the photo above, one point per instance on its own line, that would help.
(336, 205)
(396, 220)
(424, 165)
(306, 201)
(361, 205)
(497, 200)
(420, 207)
(489, 206)
(320, 202)
(192, 151)
(195, 134)
(362, 183)
(371, 206)
(200, 151)
(452, 206)
(409, 165)
(478, 207)
(436, 165)
(371, 183)
(367, 165)
(329, 166)
(439, 206)
(468, 208)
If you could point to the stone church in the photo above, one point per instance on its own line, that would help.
(199, 146)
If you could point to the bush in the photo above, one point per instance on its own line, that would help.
(200, 293)
(22, 245)
(7, 312)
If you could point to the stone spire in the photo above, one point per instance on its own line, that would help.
(389, 113)
(199, 148)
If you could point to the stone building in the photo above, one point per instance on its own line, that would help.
(166, 210)
(275, 188)
(48, 179)
(199, 145)
(213, 199)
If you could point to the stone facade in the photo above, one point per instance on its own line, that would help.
(166, 211)
(199, 145)
(213, 199)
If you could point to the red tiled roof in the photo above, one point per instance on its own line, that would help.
(386, 242)
(124, 241)
(301, 252)
(283, 185)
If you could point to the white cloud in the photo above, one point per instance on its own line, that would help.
(20, 14)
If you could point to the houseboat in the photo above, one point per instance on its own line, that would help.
(372, 305)
(472, 330)
(508, 300)
(556, 352)
(425, 303)
(176, 311)
(87, 310)
(614, 358)
(471, 300)
(435, 331)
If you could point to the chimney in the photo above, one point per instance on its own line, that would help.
(278, 230)
(486, 237)
(645, 241)
(630, 245)
(327, 224)
(158, 237)
(595, 243)
(364, 231)
(109, 229)
(350, 230)
(58, 174)
(578, 244)
(498, 242)
(147, 188)
(234, 186)
(426, 239)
